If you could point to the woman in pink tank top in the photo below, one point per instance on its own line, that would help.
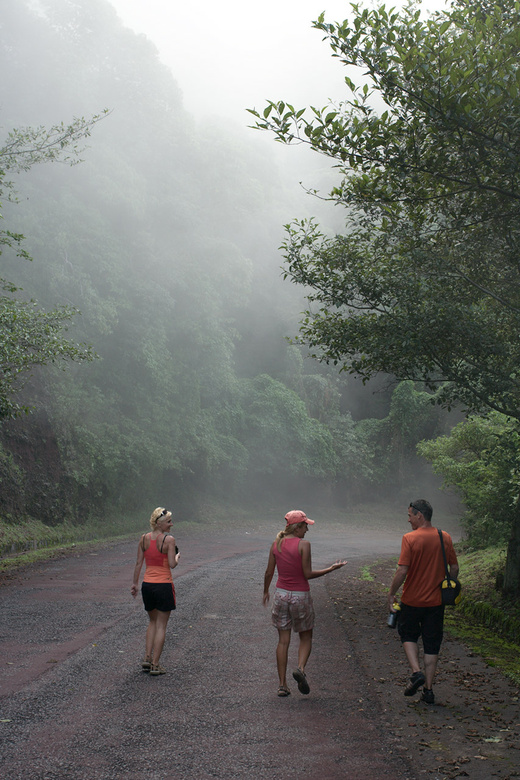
(292, 607)
(158, 552)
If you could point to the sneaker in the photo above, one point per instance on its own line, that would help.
(416, 681)
(427, 696)
(157, 669)
(301, 679)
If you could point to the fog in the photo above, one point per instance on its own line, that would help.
(232, 55)
(166, 238)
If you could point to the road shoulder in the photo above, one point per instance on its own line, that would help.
(472, 730)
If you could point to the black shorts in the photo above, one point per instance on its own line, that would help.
(427, 622)
(158, 595)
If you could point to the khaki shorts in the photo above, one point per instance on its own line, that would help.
(292, 609)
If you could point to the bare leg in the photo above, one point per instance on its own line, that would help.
(150, 633)
(282, 653)
(430, 667)
(160, 634)
(304, 650)
(412, 653)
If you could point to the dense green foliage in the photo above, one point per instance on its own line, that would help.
(480, 458)
(166, 239)
(425, 281)
(30, 336)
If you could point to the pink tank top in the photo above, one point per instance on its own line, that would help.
(289, 565)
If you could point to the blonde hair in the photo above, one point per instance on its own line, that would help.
(156, 516)
(287, 531)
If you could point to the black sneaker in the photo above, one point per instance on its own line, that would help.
(427, 696)
(416, 680)
(301, 679)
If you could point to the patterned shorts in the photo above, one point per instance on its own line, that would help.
(292, 609)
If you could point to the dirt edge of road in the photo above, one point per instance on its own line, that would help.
(473, 729)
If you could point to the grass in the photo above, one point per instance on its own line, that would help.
(484, 620)
(29, 541)
(483, 641)
(366, 574)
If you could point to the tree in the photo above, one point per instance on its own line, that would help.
(480, 458)
(30, 336)
(282, 440)
(425, 282)
(391, 442)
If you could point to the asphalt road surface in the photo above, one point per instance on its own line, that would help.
(75, 705)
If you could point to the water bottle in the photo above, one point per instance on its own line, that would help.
(391, 620)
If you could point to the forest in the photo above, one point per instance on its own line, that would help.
(144, 248)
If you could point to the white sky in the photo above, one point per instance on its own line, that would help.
(229, 55)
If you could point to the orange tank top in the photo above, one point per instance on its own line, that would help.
(157, 567)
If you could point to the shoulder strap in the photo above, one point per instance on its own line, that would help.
(162, 543)
(444, 554)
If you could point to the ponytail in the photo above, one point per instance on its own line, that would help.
(287, 531)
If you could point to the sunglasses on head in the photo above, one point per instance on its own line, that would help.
(164, 512)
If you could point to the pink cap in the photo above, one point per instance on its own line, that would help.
(297, 516)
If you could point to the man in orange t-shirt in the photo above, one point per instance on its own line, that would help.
(421, 569)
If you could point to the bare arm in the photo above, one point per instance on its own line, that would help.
(308, 573)
(268, 576)
(399, 578)
(173, 557)
(138, 567)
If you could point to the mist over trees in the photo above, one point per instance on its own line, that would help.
(30, 336)
(166, 239)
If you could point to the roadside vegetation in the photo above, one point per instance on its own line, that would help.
(485, 620)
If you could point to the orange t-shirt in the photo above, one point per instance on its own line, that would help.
(421, 551)
(157, 566)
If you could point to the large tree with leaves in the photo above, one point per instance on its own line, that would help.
(425, 282)
(30, 336)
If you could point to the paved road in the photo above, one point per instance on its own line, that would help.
(74, 704)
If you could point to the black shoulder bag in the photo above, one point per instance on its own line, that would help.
(450, 587)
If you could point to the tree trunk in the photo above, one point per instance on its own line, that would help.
(512, 572)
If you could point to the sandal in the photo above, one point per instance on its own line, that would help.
(157, 669)
(146, 665)
(301, 679)
(283, 690)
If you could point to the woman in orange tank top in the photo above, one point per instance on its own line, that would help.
(158, 552)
